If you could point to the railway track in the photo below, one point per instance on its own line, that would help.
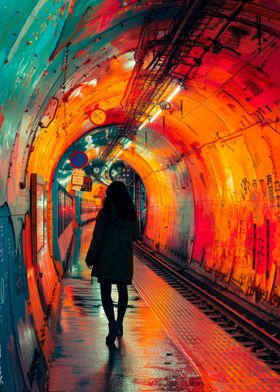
(263, 341)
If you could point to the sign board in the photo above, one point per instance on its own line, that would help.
(78, 159)
(87, 184)
(77, 180)
(77, 177)
(37, 187)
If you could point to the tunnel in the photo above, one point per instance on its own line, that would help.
(183, 97)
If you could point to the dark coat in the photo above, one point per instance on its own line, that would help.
(110, 252)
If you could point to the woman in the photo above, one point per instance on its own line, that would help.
(110, 252)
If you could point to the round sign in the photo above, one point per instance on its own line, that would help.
(78, 159)
(98, 116)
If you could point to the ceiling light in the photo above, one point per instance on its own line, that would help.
(171, 96)
(175, 92)
(92, 82)
(155, 115)
(144, 123)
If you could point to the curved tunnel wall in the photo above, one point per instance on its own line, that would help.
(209, 164)
(169, 197)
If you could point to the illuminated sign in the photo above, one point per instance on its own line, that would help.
(77, 177)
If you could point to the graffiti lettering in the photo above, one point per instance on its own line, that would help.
(1, 373)
(267, 248)
(2, 291)
(273, 188)
(260, 251)
(18, 267)
(245, 188)
(255, 185)
(277, 186)
(270, 187)
(263, 188)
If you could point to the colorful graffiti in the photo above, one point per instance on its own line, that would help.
(208, 156)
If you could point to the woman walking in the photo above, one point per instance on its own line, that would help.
(110, 253)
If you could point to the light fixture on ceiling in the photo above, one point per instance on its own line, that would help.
(144, 123)
(164, 105)
(171, 96)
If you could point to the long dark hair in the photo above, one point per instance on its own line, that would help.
(118, 203)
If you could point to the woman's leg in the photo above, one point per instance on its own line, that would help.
(107, 302)
(123, 300)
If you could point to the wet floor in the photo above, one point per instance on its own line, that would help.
(144, 359)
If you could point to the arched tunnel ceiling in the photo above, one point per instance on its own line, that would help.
(209, 160)
(74, 57)
(142, 159)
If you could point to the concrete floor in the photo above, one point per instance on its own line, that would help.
(168, 343)
(144, 359)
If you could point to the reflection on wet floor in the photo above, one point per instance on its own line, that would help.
(144, 359)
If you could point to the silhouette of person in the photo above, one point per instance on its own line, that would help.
(110, 253)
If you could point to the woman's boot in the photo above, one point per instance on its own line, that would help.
(120, 327)
(113, 333)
